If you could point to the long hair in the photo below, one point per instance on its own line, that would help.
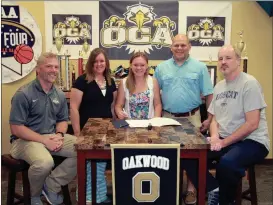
(89, 67)
(130, 81)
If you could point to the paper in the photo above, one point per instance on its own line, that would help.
(156, 122)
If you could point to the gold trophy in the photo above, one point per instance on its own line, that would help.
(59, 44)
(63, 85)
(241, 46)
(85, 45)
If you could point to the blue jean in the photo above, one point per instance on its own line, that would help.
(232, 163)
(101, 183)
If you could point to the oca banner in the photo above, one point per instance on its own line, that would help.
(127, 27)
(207, 25)
(75, 24)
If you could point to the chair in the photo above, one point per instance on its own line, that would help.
(14, 166)
(251, 193)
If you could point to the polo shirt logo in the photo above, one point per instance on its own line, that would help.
(55, 101)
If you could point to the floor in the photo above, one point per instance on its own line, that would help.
(264, 181)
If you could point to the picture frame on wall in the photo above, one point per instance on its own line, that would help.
(213, 73)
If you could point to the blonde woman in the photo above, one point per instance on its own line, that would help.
(138, 94)
(93, 96)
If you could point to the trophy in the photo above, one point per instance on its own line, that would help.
(241, 46)
(59, 44)
(85, 45)
(82, 53)
(60, 79)
(73, 75)
(80, 64)
(67, 71)
(64, 85)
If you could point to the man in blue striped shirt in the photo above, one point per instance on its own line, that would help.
(182, 80)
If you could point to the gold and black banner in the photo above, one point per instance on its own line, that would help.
(145, 173)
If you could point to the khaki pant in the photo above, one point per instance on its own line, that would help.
(195, 119)
(41, 163)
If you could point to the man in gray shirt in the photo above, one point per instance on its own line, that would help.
(38, 122)
(238, 131)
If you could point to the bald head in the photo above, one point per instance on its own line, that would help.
(229, 61)
(180, 48)
(230, 49)
(180, 37)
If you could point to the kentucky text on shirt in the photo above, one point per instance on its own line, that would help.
(139, 161)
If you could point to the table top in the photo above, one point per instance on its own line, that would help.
(99, 133)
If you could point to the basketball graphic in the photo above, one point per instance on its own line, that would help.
(21, 42)
(23, 54)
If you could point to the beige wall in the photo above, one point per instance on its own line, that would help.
(258, 35)
(248, 16)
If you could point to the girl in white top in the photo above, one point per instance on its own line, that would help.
(138, 94)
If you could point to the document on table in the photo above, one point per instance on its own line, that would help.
(156, 122)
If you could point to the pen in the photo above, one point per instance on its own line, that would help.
(120, 126)
(124, 110)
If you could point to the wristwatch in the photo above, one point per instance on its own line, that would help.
(60, 133)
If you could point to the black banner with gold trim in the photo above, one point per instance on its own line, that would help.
(145, 173)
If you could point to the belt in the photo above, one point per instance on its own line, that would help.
(184, 114)
(12, 138)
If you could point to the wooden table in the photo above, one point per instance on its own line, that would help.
(98, 134)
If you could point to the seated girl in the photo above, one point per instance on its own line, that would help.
(138, 94)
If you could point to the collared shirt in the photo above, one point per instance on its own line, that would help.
(182, 86)
(37, 110)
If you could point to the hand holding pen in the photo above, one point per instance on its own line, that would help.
(122, 114)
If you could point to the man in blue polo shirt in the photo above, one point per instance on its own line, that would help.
(38, 122)
(182, 80)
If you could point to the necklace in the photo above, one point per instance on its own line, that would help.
(101, 83)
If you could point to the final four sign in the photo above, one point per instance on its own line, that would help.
(21, 42)
(145, 173)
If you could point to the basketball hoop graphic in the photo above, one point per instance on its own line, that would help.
(23, 54)
(21, 42)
